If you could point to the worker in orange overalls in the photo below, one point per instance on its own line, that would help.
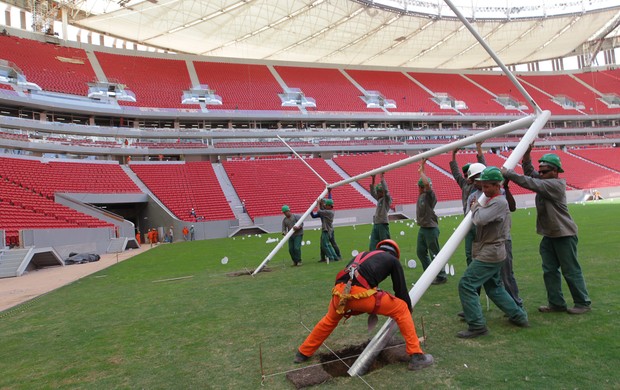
(155, 236)
(356, 292)
(138, 238)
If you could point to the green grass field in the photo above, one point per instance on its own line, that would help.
(124, 328)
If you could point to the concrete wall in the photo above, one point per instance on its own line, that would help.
(64, 241)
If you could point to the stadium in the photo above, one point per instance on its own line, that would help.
(118, 118)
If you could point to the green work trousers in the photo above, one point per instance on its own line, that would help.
(327, 249)
(294, 248)
(428, 244)
(480, 273)
(469, 242)
(559, 254)
(380, 232)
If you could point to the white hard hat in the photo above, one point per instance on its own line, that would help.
(475, 169)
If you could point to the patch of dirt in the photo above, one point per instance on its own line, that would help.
(330, 366)
(247, 272)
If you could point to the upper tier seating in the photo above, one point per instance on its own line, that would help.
(402, 182)
(54, 68)
(500, 85)
(581, 174)
(156, 82)
(608, 157)
(266, 185)
(331, 89)
(181, 187)
(566, 85)
(241, 86)
(604, 81)
(476, 99)
(409, 96)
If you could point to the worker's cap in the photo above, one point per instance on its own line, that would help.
(389, 246)
(491, 174)
(285, 208)
(421, 183)
(465, 168)
(328, 202)
(551, 160)
(475, 169)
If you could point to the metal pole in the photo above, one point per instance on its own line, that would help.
(503, 129)
(384, 335)
(497, 60)
(288, 235)
(480, 137)
(302, 160)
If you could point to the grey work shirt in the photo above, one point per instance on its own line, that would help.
(425, 209)
(288, 223)
(552, 216)
(383, 204)
(327, 220)
(466, 187)
(493, 223)
(476, 194)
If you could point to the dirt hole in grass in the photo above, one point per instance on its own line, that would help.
(247, 272)
(326, 366)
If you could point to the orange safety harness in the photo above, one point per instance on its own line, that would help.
(353, 273)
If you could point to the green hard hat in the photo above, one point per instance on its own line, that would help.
(329, 202)
(378, 187)
(285, 208)
(421, 183)
(491, 174)
(551, 159)
(465, 168)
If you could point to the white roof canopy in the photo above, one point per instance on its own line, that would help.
(354, 33)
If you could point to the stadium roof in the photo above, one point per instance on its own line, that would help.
(401, 33)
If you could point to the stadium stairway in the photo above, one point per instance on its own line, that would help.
(94, 62)
(231, 196)
(354, 184)
(146, 190)
(10, 260)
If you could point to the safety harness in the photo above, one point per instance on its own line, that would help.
(353, 273)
